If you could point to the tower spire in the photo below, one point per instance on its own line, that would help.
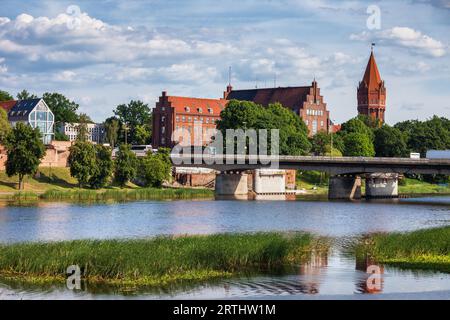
(371, 91)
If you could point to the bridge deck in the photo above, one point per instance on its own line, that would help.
(333, 165)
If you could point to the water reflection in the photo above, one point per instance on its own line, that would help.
(373, 280)
(324, 274)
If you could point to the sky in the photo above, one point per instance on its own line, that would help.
(107, 52)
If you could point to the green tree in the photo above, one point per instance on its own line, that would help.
(112, 126)
(63, 109)
(293, 132)
(356, 125)
(155, 169)
(433, 134)
(25, 95)
(320, 143)
(125, 165)
(5, 127)
(59, 136)
(5, 96)
(390, 142)
(358, 145)
(104, 167)
(25, 150)
(82, 162)
(142, 134)
(133, 114)
(83, 132)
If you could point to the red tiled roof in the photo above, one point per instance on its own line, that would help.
(289, 97)
(180, 104)
(372, 76)
(8, 105)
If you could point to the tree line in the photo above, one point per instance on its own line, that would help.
(131, 123)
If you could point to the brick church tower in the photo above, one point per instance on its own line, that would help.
(372, 92)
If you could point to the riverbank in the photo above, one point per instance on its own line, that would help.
(427, 249)
(158, 261)
(57, 185)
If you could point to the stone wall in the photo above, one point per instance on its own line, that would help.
(56, 155)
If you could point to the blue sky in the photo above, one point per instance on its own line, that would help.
(104, 53)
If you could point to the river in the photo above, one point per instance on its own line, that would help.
(332, 276)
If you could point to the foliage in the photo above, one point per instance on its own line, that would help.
(293, 133)
(112, 126)
(390, 142)
(103, 169)
(25, 150)
(132, 115)
(59, 136)
(5, 127)
(142, 134)
(25, 95)
(356, 125)
(358, 145)
(5, 96)
(83, 121)
(155, 169)
(82, 162)
(125, 165)
(63, 109)
(320, 143)
(432, 134)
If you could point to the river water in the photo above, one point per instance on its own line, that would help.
(333, 275)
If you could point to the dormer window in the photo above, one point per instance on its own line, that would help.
(187, 109)
(199, 110)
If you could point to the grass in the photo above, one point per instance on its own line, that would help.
(314, 182)
(158, 261)
(427, 249)
(57, 184)
(126, 194)
(413, 186)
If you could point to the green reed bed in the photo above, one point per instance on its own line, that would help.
(157, 261)
(127, 194)
(423, 249)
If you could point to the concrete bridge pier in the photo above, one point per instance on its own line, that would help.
(344, 187)
(382, 185)
(229, 183)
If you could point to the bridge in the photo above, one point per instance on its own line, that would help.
(381, 174)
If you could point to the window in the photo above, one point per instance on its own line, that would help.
(189, 119)
(163, 118)
(307, 122)
(210, 110)
(187, 109)
(163, 130)
(314, 126)
(321, 123)
(183, 118)
(200, 110)
(177, 118)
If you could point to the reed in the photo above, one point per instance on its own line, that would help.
(422, 249)
(160, 260)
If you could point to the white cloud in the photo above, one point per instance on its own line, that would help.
(66, 76)
(408, 38)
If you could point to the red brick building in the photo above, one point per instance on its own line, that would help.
(186, 114)
(372, 92)
(306, 102)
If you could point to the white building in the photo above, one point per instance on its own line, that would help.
(96, 131)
